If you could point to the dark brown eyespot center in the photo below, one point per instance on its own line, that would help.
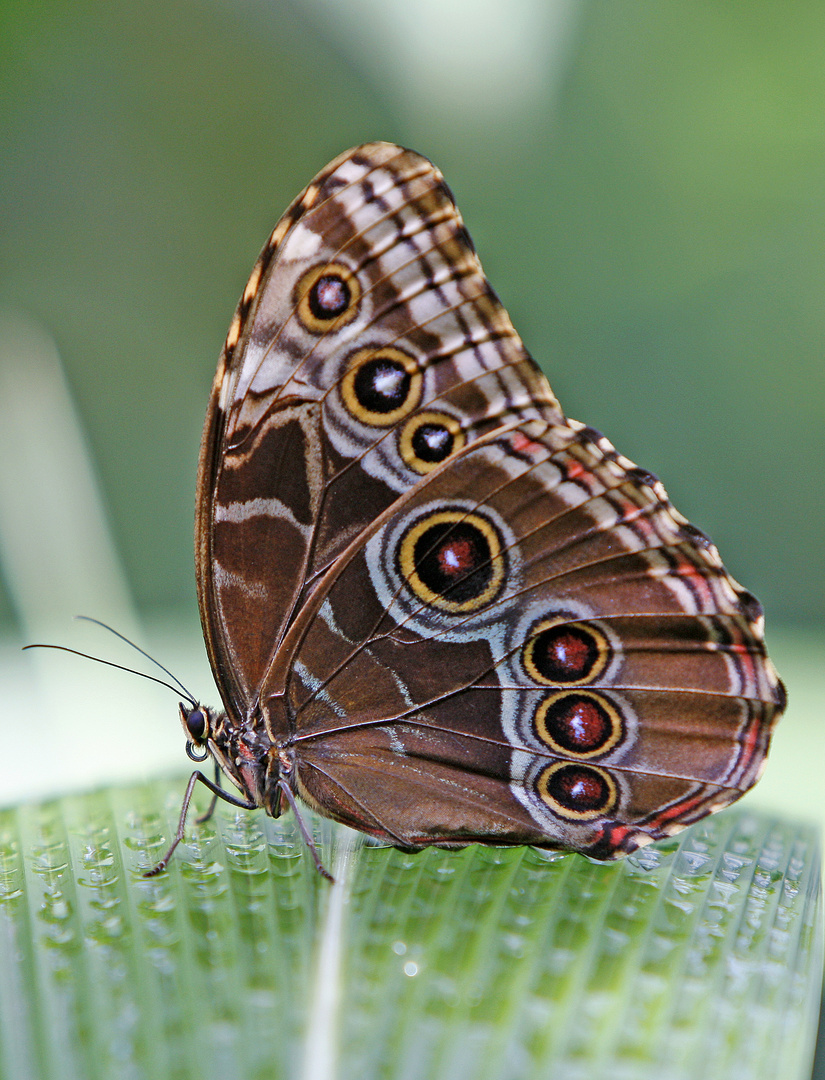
(329, 297)
(564, 654)
(432, 442)
(579, 788)
(428, 438)
(578, 723)
(454, 558)
(382, 385)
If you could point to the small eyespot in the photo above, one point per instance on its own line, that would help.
(381, 386)
(453, 560)
(428, 438)
(327, 297)
(566, 654)
(577, 792)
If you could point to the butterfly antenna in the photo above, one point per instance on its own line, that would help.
(178, 684)
(121, 667)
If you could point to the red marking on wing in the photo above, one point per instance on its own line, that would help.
(524, 445)
(457, 557)
(574, 470)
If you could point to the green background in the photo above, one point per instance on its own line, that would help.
(650, 206)
(645, 184)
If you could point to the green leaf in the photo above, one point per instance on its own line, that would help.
(699, 957)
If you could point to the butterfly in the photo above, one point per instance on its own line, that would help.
(438, 610)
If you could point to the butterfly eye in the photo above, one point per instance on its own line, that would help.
(453, 560)
(428, 439)
(195, 723)
(327, 297)
(381, 386)
(577, 792)
(568, 653)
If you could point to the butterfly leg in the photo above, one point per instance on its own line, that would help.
(218, 792)
(310, 843)
(211, 809)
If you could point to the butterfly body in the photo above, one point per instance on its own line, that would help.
(437, 609)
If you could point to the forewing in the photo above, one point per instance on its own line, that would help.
(367, 348)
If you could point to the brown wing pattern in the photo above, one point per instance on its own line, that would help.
(467, 617)
(367, 306)
(590, 658)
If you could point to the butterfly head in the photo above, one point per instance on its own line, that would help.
(237, 751)
(197, 722)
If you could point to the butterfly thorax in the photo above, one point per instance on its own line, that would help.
(246, 755)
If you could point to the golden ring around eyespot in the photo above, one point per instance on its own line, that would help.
(493, 563)
(303, 298)
(551, 772)
(615, 729)
(596, 669)
(414, 424)
(375, 355)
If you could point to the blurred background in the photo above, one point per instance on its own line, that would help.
(645, 183)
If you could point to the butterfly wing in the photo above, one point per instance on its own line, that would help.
(367, 346)
(536, 649)
(467, 617)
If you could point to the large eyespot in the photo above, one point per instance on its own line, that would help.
(567, 654)
(453, 560)
(578, 724)
(577, 792)
(428, 438)
(327, 297)
(382, 385)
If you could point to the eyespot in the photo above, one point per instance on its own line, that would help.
(428, 438)
(567, 654)
(453, 560)
(381, 386)
(327, 297)
(578, 724)
(577, 792)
